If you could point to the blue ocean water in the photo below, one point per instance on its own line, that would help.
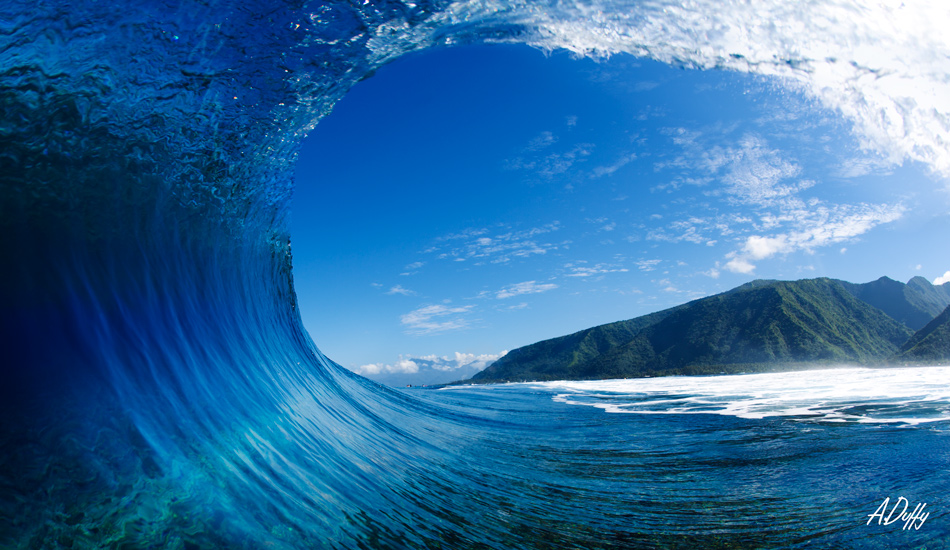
(159, 391)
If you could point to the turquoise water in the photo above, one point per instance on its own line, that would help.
(159, 391)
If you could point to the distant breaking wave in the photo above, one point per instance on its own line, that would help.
(862, 395)
(158, 387)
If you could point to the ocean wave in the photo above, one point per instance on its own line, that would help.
(158, 387)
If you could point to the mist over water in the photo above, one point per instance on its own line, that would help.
(158, 388)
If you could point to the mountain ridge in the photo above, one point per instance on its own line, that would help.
(757, 326)
(931, 343)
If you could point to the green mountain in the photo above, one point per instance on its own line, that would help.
(931, 343)
(913, 304)
(549, 359)
(762, 325)
(934, 298)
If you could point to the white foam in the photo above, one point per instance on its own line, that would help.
(892, 395)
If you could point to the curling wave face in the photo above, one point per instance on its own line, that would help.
(158, 388)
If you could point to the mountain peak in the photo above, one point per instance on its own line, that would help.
(917, 280)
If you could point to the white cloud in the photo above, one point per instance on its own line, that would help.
(648, 265)
(689, 230)
(403, 366)
(467, 234)
(759, 248)
(423, 320)
(817, 227)
(558, 163)
(682, 136)
(527, 287)
(398, 289)
(601, 171)
(821, 226)
(857, 167)
(481, 246)
(739, 265)
(755, 172)
(414, 364)
(599, 269)
(541, 159)
(758, 176)
(943, 279)
(371, 368)
(541, 141)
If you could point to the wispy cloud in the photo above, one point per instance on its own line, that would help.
(413, 268)
(588, 271)
(648, 265)
(857, 167)
(541, 141)
(770, 213)
(540, 157)
(433, 319)
(482, 245)
(604, 223)
(624, 160)
(757, 174)
(553, 164)
(527, 287)
(398, 289)
(692, 230)
(667, 285)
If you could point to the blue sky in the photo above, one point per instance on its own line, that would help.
(463, 202)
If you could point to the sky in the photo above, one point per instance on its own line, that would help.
(464, 202)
